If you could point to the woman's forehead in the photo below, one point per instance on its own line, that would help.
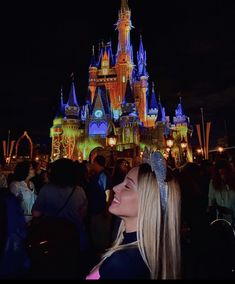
(133, 173)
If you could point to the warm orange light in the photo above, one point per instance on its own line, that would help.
(170, 141)
(199, 151)
(112, 139)
(183, 144)
(220, 149)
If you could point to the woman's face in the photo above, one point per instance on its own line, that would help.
(125, 201)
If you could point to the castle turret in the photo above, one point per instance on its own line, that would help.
(72, 108)
(93, 75)
(180, 118)
(124, 27)
(161, 118)
(105, 63)
(142, 60)
(153, 105)
(56, 130)
(124, 62)
(141, 85)
(61, 109)
(182, 133)
(110, 54)
(129, 121)
(152, 109)
(128, 105)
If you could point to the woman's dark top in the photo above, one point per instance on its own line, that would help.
(125, 264)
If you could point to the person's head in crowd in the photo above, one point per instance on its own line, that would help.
(120, 170)
(24, 171)
(63, 172)
(223, 174)
(99, 163)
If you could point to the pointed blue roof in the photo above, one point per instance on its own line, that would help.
(93, 59)
(153, 102)
(179, 110)
(161, 112)
(101, 54)
(159, 116)
(110, 54)
(101, 92)
(61, 108)
(142, 60)
(129, 97)
(72, 97)
(141, 47)
(88, 97)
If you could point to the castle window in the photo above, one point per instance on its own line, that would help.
(123, 79)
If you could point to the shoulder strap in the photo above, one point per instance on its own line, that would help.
(66, 202)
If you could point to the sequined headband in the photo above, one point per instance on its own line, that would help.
(158, 165)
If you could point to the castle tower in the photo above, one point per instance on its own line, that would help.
(152, 109)
(92, 75)
(129, 122)
(124, 58)
(71, 126)
(182, 131)
(114, 72)
(56, 130)
(141, 85)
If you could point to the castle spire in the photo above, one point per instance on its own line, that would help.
(179, 111)
(61, 97)
(124, 27)
(110, 53)
(142, 59)
(72, 108)
(129, 98)
(93, 60)
(180, 117)
(153, 102)
(161, 111)
(124, 5)
(72, 102)
(61, 108)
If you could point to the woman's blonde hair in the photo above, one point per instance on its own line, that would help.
(158, 233)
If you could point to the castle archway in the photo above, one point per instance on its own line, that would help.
(24, 146)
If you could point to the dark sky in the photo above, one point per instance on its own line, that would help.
(190, 48)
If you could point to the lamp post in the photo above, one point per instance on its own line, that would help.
(112, 142)
(184, 145)
(170, 144)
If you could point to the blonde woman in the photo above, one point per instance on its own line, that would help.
(148, 242)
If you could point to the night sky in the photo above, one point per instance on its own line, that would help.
(190, 53)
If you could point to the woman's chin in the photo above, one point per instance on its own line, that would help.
(112, 209)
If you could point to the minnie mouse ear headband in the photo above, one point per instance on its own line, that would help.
(158, 165)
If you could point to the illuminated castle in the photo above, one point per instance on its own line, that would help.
(120, 100)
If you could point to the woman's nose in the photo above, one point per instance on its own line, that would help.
(117, 188)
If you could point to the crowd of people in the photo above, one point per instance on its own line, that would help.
(143, 222)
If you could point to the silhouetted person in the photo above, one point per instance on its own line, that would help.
(63, 190)
(23, 188)
(99, 223)
(14, 260)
